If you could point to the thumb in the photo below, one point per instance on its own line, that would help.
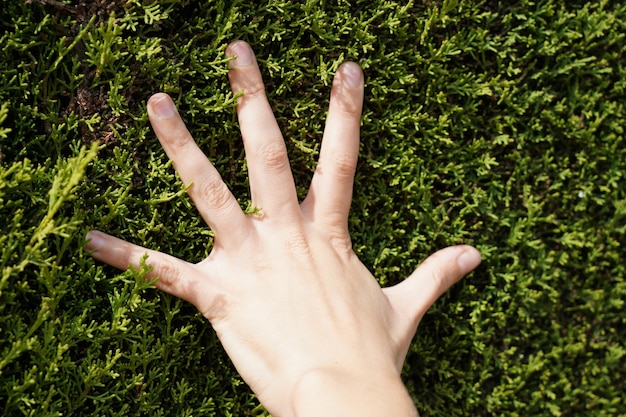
(414, 296)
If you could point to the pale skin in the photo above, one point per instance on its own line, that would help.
(305, 323)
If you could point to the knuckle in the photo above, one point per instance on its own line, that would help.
(298, 244)
(438, 279)
(253, 89)
(336, 235)
(250, 86)
(168, 275)
(438, 275)
(344, 165)
(274, 154)
(213, 191)
(341, 244)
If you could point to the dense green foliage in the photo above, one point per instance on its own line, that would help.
(499, 124)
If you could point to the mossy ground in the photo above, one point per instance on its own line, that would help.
(499, 124)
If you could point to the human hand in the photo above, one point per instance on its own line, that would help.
(294, 308)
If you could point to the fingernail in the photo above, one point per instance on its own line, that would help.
(243, 53)
(352, 74)
(162, 106)
(468, 260)
(94, 241)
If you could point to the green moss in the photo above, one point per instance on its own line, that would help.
(491, 123)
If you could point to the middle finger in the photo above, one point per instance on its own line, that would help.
(271, 182)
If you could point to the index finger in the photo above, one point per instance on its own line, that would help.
(330, 193)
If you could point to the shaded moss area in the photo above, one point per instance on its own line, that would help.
(499, 124)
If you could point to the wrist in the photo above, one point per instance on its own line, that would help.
(335, 392)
